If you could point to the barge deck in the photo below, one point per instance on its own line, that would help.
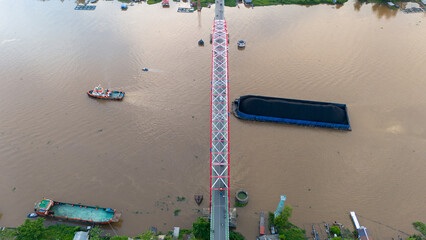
(292, 111)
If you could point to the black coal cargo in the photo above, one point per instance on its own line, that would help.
(293, 111)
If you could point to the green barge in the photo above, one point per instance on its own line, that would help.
(76, 212)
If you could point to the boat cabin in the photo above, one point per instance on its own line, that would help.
(99, 91)
(43, 207)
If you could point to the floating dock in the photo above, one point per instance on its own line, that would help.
(85, 7)
(292, 111)
(362, 231)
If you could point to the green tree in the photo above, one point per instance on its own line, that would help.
(201, 229)
(415, 237)
(421, 227)
(335, 230)
(121, 238)
(236, 236)
(8, 234)
(293, 234)
(281, 222)
(95, 233)
(60, 231)
(31, 230)
(148, 235)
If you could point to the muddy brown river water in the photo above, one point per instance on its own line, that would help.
(138, 155)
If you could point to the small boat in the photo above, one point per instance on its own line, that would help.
(201, 42)
(32, 215)
(198, 199)
(185, 10)
(272, 229)
(123, 6)
(145, 69)
(99, 93)
(76, 212)
(315, 233)
(165, 3)
(241, 44)
(262, 224)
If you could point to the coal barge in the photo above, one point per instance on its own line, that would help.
(292, 111)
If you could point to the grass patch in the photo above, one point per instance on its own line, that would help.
(237, 204)
(34, 229)
(386, 1)
(182, 232)
(153, 1)
(300, 2)
(119, 238)
(180, 199)
(204, 3)
(230, 3)
(236, 236)
(242, 195)
(176, 212)
(64, 232)
(421, 227)
(8, 234)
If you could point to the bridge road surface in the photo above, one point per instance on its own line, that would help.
(219, 214)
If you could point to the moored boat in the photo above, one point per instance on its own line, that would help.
(76, 212)
(292, 111)
(100, 93)
(198, 199)
(165, 3)
(262, 224)
(32, 215)
(241, 44)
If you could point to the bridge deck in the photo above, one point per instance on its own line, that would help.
(219, 146)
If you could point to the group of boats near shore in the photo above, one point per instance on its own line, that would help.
(362, 232)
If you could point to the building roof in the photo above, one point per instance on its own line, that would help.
(81, 236)
(269, 237)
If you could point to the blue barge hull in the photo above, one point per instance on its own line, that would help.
(292, 111)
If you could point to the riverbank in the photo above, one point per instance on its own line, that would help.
(298, 2)
(37, 231)
(283, 229)
(259, 3)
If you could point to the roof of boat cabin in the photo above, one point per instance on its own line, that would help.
(44, 203)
